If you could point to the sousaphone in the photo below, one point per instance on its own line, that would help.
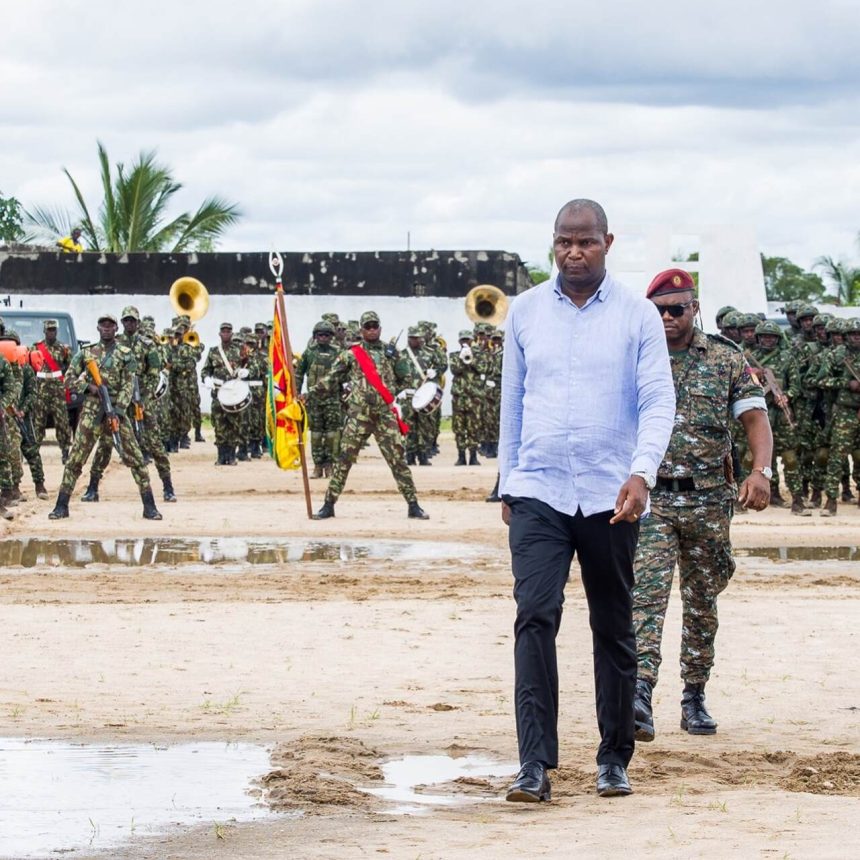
(189, 297)
(487, 304)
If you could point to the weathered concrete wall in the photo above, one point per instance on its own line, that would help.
(447, 274)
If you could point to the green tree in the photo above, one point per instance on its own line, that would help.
(132, 215)
(785, 281)
(11, 220)
(539, 274)
(844, 278)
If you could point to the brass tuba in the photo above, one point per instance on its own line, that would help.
(188, 296)
(486, 303)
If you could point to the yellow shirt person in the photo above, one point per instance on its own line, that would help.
(71, 244)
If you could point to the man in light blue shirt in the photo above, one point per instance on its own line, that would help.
(588, 406)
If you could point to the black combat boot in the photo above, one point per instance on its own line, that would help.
(185, 442)
(64, 456)
(473, 458)
(643, 714)
(219, 461)
(494, 495)
(242, 452)
(327, 509)
(776, 500)
(410, 458)
(829, 509)
(461, 457)
(169, 495)
(61, 509)
(255, 450)
(150, 512)
(815, 501)
(318, 471)
(41, 491)
(92, 493)
(8, 498)
(231, 455)
(798, 508)
(847, 495)
(5, 513)
(695, 718)
(423, 459)
(198, 435)
(416, 512)
(17, 495)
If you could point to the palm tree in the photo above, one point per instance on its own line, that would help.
(845, 278)
(132, 215)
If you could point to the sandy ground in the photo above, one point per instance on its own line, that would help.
(341, 664)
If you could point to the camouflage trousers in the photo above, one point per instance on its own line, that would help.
(151, 443)
(12, 469)
(844, 442)
(383, 426)
(90, 432)
(785, 447)
(696, 538)
(182, 394)
(254, 417)
(465, 422)
(492, 414)
(51, 403)
(30, 452)
(422, 429)
(227, 425)
(325, 418)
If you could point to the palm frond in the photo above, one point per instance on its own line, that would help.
(87, 226)
(207, 223)
(50, 224)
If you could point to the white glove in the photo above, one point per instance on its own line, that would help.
(243, 373)
(207, 382)
(490, 383)
(431, 373)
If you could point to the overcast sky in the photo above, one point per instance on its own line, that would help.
(345, 125)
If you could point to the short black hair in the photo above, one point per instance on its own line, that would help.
(583, 203)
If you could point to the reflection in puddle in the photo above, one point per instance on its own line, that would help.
(58, 797)
(801, 553)
(404, 774)
(138, 552)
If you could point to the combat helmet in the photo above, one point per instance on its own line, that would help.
(768, 327)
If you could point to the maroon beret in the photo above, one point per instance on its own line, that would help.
(670, 281)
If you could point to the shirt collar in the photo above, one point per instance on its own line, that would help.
(601, 295)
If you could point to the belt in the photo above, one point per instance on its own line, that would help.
(676, 485)
(50, 374)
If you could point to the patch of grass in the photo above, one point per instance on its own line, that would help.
(225, 707)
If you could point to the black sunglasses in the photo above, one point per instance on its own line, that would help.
(371, 325)
(674, 311)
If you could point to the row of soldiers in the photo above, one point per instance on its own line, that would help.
(475, 367)
(811, 377)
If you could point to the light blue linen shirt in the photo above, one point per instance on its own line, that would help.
(587, 396)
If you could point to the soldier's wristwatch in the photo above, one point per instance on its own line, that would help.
(765, 470)
(649, 479)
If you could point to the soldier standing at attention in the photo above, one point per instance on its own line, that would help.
(374, 371)
(325, 412)
(51, 388)
(11, 492)
(466, 391)
(117, 366)
(8, 395)
(222, 363)
(692, 500)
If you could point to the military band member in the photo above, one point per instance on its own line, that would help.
(51, 401)
(467, 390)
(223, 364)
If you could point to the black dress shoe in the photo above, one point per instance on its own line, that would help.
(531, 784)
(612, 780)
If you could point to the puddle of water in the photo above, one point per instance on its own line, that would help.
(404, 774)
(139, 552)
(801, 553)
(59, 797)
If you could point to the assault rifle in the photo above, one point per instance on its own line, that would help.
(137, 411)
(108, 413)
(771, 385)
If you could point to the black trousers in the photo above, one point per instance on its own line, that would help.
(543, 542)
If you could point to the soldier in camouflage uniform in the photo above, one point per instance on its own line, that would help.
(768, 357)
(493, 393)
(222, 363)
(51, 389)
(254, 416)
(721, 313)
(692, 501)
(184, 393)
(843, 377)
(809, 408)
(117, 367)
(11, 494)
(435, 345)
(29, 442)
(147, 359)
(369, 414)
(8, 397)
(423, 367)
(466, 393)
(325, 412)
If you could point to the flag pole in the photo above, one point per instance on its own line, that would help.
(276, 264)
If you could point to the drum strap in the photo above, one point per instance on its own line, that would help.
(417, 364)
(371, 374)
(225, 360)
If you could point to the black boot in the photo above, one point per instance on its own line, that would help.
(642, 711)
(219, 460)
(231, 455)
(847, 495)
(41, 491)
(242, 452)
(327, 509)
(410, 459)
(694, 717)
(92, 493)
(198, 436)
(416, 512)
(169, 495)
(423, 459)
(185, 442)
(255, 449)
(461, 457)
(61, 509)
(473, 458)
(64, 456)
(494, 495)
(150, 512)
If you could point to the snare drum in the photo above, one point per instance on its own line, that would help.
(234, 395)
(427, 398)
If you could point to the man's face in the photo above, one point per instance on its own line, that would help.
(791, 316)
(226, 335)
(768, 341)
(130, 325)
(837, 338)
(371, 331)
(580, 248)
(853, 338)
(821, 333)
(806, 323)
(323, 337)
(747, 333)
(732, 333)
(76, 234)
(50, 335)
(414, 342)
(677, 328)
(107, 330)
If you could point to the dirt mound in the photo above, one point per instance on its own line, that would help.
(317, 771)
(826, 773)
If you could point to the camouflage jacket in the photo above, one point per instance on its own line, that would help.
(710, 377)
(781, 362)
(147, 355)
(315, 363)
(60, 353)
(117, 366)
(427, 358)
(836, 376)
(468, 381)
(29, 389)
(362, 395)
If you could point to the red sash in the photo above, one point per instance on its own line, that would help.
(53, 366)
(368, 368)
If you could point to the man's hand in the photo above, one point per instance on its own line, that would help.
(754, 492)
(506, 513)
(853, 385)
(92, 388)
(631, 501)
